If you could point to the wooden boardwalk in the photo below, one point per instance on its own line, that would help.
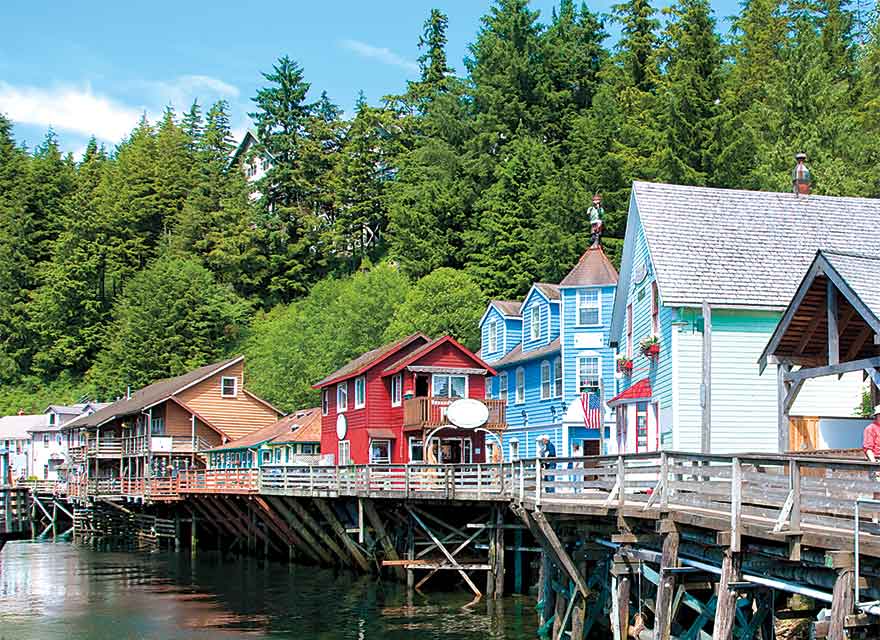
(795, 499)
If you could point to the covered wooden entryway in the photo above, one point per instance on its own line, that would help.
(830, 327)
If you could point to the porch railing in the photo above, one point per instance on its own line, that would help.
(430, 412)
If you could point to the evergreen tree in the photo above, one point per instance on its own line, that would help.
(432, 61)
(638, 40)
(171, 318)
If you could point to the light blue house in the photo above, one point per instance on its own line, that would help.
(741, 253)
(550, 350)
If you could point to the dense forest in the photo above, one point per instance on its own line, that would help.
(139, 262)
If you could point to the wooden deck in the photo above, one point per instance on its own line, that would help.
(805, 500)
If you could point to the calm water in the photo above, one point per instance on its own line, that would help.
(63, 591)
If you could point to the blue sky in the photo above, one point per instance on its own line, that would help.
(92, 68)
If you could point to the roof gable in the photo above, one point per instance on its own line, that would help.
(547, 292)
(517, 356)
(369, 359)
(425, 349)
(507, 309)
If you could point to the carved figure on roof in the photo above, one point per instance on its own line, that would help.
(597, 225)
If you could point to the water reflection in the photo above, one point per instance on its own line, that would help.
(65, 591)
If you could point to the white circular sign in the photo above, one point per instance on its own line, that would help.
(341, 426)
(467, 413)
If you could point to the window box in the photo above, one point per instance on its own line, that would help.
(624, 365)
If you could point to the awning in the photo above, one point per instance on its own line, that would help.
(463, 371)
(381, 434)
(638, 392)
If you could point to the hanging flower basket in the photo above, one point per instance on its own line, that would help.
(650, 346)
(624, 365)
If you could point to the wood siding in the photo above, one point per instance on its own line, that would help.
(237, 416)
(178, 421)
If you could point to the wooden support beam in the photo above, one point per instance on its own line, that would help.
(282, 529)
(316, 527)
(621, 597)
(301, 530)
(859, 342)
(841, 604)
(725, 599)
(843, 367)
(706, 387)
(375, 521)
(810, 331)
(235, 518)
(566, 563)
(666, 586)
(498, 564)
(463, 545)
(833, 332)
(215, 518)
(783, 422)
(338, 528)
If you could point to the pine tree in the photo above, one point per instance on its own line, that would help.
(637, 41)
(432, 61)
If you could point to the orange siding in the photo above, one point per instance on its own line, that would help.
(207, 433)
(178, 421)
(237, 416)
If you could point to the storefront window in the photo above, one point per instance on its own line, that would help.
(380, 452)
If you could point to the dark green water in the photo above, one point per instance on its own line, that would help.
(62, 591)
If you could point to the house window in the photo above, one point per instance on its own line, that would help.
(557, 377)
(535, 323)
(493, 336)
(228, 386)
(589, 310)
(467, 451)
(488, 388)
(520, 385)
(546, 387)
(502, 387)
(514, 449)
(52, 417)
(59, 439)
(588, 374)
(344, 452)
(278, 455)
(416, 450)
(655, 309)
(641, 427)
(396, 389)
(629, 331)
(380, 451)
(360, 392)
(157, 426)
(341, 397)
(267, 457)
(45, 439)
(449, 386)
(325, 402)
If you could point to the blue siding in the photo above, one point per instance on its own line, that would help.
(509, 333)
(549, 311)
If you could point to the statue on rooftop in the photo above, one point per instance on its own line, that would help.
(597, 226)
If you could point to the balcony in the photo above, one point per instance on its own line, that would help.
(430, 412)
(172, 445)
(104, 447)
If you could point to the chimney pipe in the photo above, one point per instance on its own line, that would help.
(801, 177)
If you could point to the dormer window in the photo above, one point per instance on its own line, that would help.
(493, 336)
(589, 310)
(535, 323)
(228, 387)
(52, 419)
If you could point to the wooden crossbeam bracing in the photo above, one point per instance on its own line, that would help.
(833, 332)
(445, 552)
(830, 370)
(282, 529)
(309, 520)
(306, 535)
(859, 342)
(548, 539)
(381, 534)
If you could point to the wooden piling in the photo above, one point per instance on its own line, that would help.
(193, 535)
(497, 571)
(317, 529)
(842, 603)
(725, 607)
(369, 510)
(353, 550)
(302, 531)
(666, 586)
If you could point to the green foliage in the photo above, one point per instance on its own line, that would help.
(294, 346)
(446, 301)
(171, 317)
(32, 394)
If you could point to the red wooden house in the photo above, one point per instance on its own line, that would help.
(382, 406)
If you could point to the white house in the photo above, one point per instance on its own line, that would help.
(252, 163)
(49, 447)
(15, 444)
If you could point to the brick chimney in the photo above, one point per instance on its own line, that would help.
(801, 178)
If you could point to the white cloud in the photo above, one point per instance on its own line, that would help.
(183, 90)
(67, 108)
(382, 54)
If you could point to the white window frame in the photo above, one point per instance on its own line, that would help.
(342, 393)
(519, 394)
(435, 376)
(396, 389)
(535, 322)
(514, 450)
(416, 440)
(546, 380)
(583, 304)
(503, 388)
(557, 379)
(376, 441)
(360, 403)
(590, 356)
(234, 393)
(655, 308)
(344, 446)
(325, 402)
(493, 336)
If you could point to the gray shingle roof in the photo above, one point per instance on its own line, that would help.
(549, 290)
(516, 355)
(746, 248)
(862, 273)
(508, 307)
(593, 269)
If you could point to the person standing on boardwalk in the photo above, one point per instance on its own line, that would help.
(871, 438)
(546, 449)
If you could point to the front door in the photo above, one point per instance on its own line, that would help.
(421, 386)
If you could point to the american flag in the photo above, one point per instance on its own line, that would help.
(592, 410)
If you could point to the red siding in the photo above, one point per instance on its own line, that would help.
(379, 414)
